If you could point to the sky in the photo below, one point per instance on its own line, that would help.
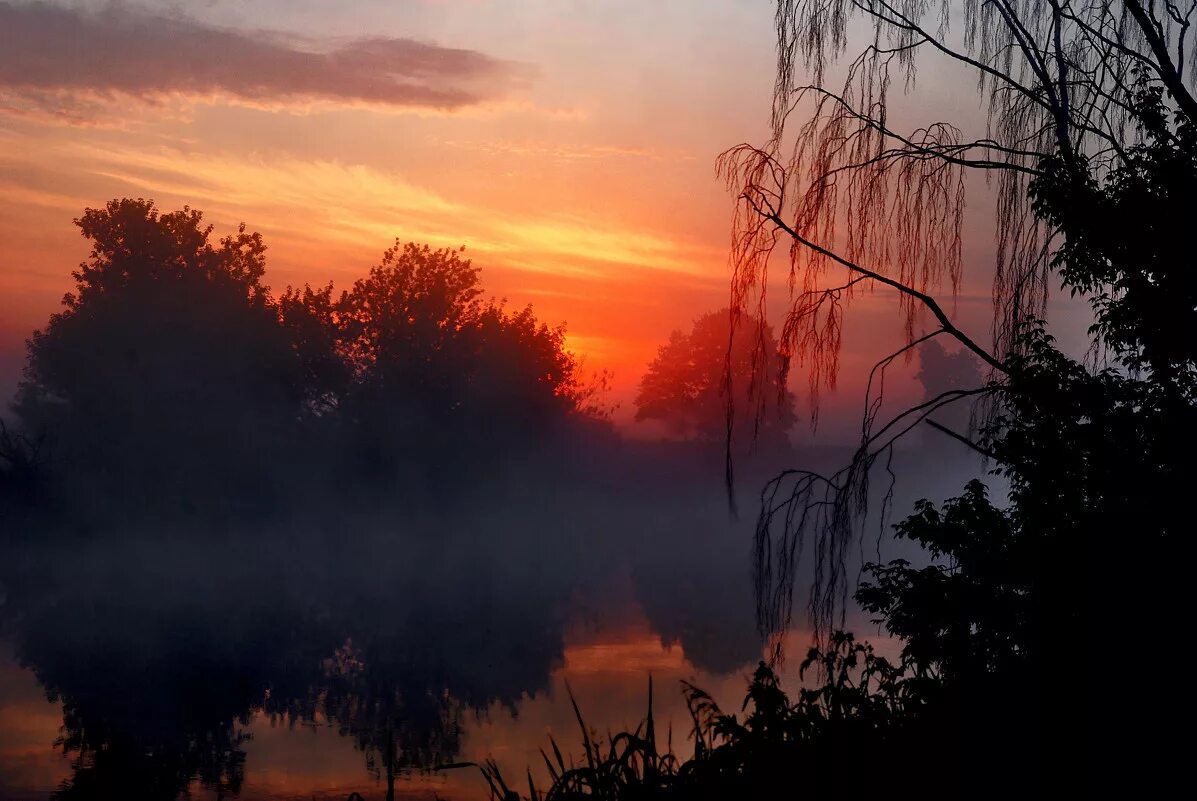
(570, 145)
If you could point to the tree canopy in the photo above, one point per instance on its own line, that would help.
(166, 367)
(416, 331)
(1090, 127)
(686, 387)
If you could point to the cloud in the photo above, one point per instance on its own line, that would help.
(556, 152)
(327, 204)
(69, 64)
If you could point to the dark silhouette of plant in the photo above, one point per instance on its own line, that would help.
(310, 317)
(977, 632)
(1090, 123)
(21, 467)
(943, 372)
(1061, 82)
(863, 710)
(413, 360)
(417, 332)
(1092, 148)
(166, 378)
(400, 325)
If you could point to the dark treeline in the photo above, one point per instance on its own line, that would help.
(174, 382)
(173, 378)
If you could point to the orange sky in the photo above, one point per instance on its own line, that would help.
(569, 144)
(580, 176)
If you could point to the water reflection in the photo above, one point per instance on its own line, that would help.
(178, 662)
(344, 652)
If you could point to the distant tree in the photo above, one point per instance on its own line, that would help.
(942, 372)
(685, 386)
(166, 378)
(19, 463)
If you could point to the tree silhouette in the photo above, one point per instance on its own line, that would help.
(173, 381)
(1062, 83)
(417, 333)
(1090, 114)
(419, 368)
(1092, 148)
(166, 377)
(686, 385)
(310, 316)
(400, 325)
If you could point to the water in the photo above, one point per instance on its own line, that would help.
(329, 651)
(291, 759)
(287, 662)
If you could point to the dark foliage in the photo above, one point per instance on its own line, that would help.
(165, 382)
(863, 711)
(1022, 595)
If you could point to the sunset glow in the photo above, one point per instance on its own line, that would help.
(564, 145)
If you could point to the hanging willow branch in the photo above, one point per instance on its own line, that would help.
(847, 190)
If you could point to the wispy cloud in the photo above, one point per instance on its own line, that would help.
(70, 64)
(330, 203)
(558, 152)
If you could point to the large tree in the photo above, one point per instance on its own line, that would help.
(1062, 83)
(166, 378)
(1090, 146)
(422, 374)
(419, 335)
(1087, 145)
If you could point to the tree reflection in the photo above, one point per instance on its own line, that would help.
(159, 672)
(394, 717)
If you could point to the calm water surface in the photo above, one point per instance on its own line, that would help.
(299, 664)
(606, 670)
(340, 653)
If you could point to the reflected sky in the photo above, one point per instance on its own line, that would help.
(605, 669)
(304, 754)
(364, 649)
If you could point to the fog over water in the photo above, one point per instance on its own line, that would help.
(288, 658)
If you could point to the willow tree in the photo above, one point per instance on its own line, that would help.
(864, 203)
